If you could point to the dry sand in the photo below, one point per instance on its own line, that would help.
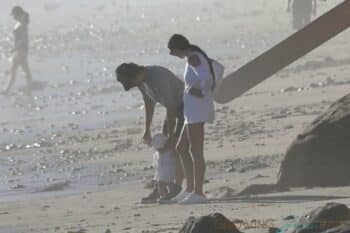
(72, 160)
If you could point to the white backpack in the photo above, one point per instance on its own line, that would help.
(217, 69)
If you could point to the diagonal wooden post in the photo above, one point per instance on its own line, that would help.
(286, 52)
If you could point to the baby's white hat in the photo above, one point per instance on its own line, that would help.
(158, 141)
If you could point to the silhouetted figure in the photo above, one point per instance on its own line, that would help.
(21, 47)
(302, 11)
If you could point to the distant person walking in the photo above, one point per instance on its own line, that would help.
(302, 11)
(198, 110)
(21, 47)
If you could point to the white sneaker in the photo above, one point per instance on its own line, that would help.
(193, 198)
(181, 196)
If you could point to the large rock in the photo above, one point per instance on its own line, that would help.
(322, 218)
(320, 156)
(213, 223)
(344, 228)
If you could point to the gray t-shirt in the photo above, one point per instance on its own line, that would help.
(162, 86)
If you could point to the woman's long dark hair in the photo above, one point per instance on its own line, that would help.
(178, 41)
(25, 19)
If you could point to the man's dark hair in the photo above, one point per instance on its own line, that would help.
(126, 73)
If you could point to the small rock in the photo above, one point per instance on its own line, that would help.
(231, 169)
(289, 217)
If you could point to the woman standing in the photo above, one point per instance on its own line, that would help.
(198, 110)
(21, 46)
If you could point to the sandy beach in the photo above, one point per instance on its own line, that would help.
(72, 159)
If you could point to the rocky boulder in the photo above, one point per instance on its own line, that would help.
(321, 219)
(344, 228)
(213, 223)
(320, 155)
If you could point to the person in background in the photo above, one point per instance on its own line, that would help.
(21, 48)
(302, 11)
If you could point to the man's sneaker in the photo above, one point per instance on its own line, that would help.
(151, 198)
(174, 191)
(193, 198)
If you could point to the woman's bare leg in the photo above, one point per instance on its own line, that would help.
(196, 136)
(187, 163)
(26, 69)
(14, 68)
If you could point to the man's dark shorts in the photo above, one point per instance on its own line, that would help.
(180, 119)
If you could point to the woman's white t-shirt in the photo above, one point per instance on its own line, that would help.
(198, 110)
